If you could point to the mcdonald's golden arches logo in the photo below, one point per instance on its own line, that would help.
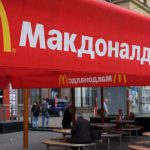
(63, 80)
(5, 29)
(119, 78)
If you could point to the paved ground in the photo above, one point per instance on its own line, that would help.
(14, 141)
(56, 121)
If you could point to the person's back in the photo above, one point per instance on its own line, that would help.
(81, 131)
(67, 118)
(44, 109)
(35, 111)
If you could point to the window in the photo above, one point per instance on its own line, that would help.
(85, 97)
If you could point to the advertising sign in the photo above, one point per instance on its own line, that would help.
(73, 43)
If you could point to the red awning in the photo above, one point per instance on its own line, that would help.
(71, 44)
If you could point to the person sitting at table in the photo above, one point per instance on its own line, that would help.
(99, 112)
(120, 115)
(131, 116)
(81, 131)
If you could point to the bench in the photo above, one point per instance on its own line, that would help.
(111, 135)
(137, 147)
(143, 143)
(61, 142)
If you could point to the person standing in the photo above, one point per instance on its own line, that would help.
(67, 117)
(35, 111)
(106, 107)
(45, 113)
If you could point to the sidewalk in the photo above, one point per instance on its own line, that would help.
(14, 141)
(56, 121)
(53, 122)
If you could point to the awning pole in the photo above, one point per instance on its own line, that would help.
(127, 101)
(102, 105)
(73, 105)
(25, 115)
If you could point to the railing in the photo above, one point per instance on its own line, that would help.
(144, 2)
(12, 112)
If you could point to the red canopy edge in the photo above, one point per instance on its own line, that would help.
(31, 59)
(24, 78)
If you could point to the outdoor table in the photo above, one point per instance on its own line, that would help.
(104, 125)
(122, 121)
(146, 133)
(138, 147)
(143, 142)
(61, 142)
(111, 135)
(63, 131)
(130, 129)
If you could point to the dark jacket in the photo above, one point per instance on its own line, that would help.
(80, 133)
(67, 118)
(36, 110)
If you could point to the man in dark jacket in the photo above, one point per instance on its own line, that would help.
(35, 111)
(80, 132)
(67, 117)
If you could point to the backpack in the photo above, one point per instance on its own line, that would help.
(44, 108)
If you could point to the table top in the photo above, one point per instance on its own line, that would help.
(146, 133)
(63, 131)
(143, 142)
(130, 129)
(111, 135)
(63, 142)
(122, 121)
(103, 125)
(138, 147)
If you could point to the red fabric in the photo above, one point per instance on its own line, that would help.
(35, 67)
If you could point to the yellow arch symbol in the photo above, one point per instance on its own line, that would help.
(119, 78)
(5, 29)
